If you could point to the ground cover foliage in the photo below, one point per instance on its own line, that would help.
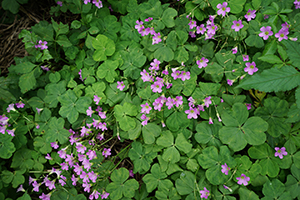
(155, 100)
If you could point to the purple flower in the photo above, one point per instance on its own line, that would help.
(297, 4)
(20, 189)
(39, 110)
(225, 169)
(251, 68)
(192, 24)
(234, 50)
(248, 106)
(200, 29)
(45, 196)
(36, 186)
(230, 82)
(62, 153)
(74, 180)
(87, 1)
(80, 148)
(157, 86)
(282, 34)
(185, 75)
(145, 108)
(192, 34)
(211, 30)
(98, 3)
(250, 15)
(207, 101)
(169, 103)
(176, 74)
(145, 118)
(59, 3)
(121, 85)
(204, 193)
(245, 58)
(243, 180)
(280, 152)
(50, 184)
(237, 25)
(202, 62)
(3, 120)
(48, 157)
(104, 195)
(86, 164)
(192, 113)
(89, 111)
(91, 154)
(87, 187)
(20, 105)
(210, 121)
(10, 107)
(95, 194)
(97, 99)
(100, 136)
(131, 174)
(154, 64)
(106, 152)
(265, 32)
(145, 76)
(156, 38)
(223, 9)
(139, 25)
(178, 101)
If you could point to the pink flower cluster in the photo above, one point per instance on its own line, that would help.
(42, 45)
(210, 28)
(4, 119)
(97, 3)
(282, 33)
(194, 110)
(149, 30)
(158, 104)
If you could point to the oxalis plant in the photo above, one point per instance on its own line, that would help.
(201, 95)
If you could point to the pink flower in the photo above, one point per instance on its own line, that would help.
(178, 101)
(20, 105)
(176, 74)
(248, 106)
(225, 169)
(245, 58)
(97, 99)
(10, 108)
(251, 68)
(207, 101)
(87, 1)
(250, 15)
(211, 29)
(280, 152)
(145, 76)
(210, 121)
(200, 29)
(282, 34)
(59, 3)
(204, 193)
(95, 194)
(145, 108)
(121, 85)
(170, 103)
(145, 118)
(89, 111)
(131, 174)
(104, 195)
(223, 9)
(157, 86)
(98, 3)
(202, 62)
(243, 180)
(192, 24)
(139, 25)
(192, 34)
(154, 64)
(192, 113)
(237, 25)
(45, 196)
(230, 82)
(39, 110)
(156, 38)
(265, 32)
(106, 152)
(185, 75)
(234, 50)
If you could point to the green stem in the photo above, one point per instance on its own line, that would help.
(120, 160)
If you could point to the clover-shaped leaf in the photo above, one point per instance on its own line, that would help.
(212, 160)
(291, 184)
(120, 187)
(155, 179)
(274, 112)
(238, 130)
(7, 148)
(123, 113)
(141, 160)
(275, 189)
(207, 133)
(186, 183)
(56, 131)
(268, 161)
(107, 70)
(104, 47)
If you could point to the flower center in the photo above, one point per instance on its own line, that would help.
(281, 35)
(223, 8)
(251, 66)
(238, 24)
(279, 151)
(267, 33)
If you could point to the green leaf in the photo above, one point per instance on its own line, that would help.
(119, 187)
(273, 80)
(273, 189)
(11, 5)
(168, 17)
(164, 53)
(207, 133)
(292, 49)
(7, 148)
(27, 82)
(63, 41)
(107, 70)
(271, 59)
(23, 68)
(246, 194)
(177, 120)
(254, 41)
(22, 159)
(44, 30)
(182, 144)
(60, 28)
(186, 183)
(155, 179)
(104, 47)
(236, 6)
(56, 131)
(274, 112)
(150, 132)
